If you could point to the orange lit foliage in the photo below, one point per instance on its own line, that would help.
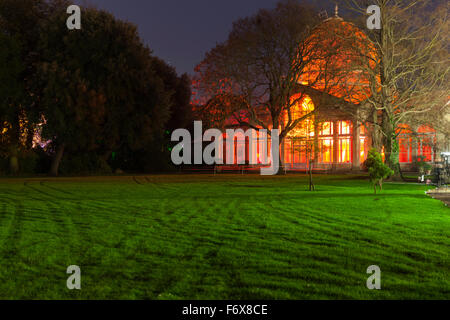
(224, 107)
(336, 69)
(24, 131)
(337, 66)
(214, 100)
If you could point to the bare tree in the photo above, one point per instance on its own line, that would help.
(409, 72)
(253, 77)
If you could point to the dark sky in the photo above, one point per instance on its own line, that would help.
(182, 31)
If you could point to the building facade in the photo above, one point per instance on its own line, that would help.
(335, 138)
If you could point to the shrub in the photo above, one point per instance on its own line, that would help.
(87, 163)
(28, 162)
(422, 165)
(378, 171)
(4, 166)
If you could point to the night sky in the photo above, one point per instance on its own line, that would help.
(182, 31)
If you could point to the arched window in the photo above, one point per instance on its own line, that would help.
(426, 142)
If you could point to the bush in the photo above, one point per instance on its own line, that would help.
(378, 171)
(153, 159)
(422, 165)
(4, 166)
(28, 161)
(88, 163)
(44, 161)
(31, 162)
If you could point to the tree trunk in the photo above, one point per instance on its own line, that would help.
(391, 148)
(57, 160)
(280, 164)
(14, 159)
(14, 146)
(311, 183)
(276, 124)
(375, 132)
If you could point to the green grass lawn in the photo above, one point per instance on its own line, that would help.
(221, 237)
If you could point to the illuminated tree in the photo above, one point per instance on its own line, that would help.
(411, 73)
(253, 76)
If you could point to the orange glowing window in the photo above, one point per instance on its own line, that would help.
(297, 152)
(300, 108)
(364, 148)
(405, 150)
(288, 151)
(344, 150)
(405, 143)
(426, 142)
(326, 150)
(326, 129)
(426, 151)
(344, 127)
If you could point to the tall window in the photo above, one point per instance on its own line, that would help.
(426, 142)
(288, 151)
(345, 142)
(344, 127)
(344, 150)
(326, 142)
(364, 142)
(299, 141)
(405, 143)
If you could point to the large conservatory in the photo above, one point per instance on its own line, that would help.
(335, 138)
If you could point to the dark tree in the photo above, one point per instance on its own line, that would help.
(19, 33)
(100, 90)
